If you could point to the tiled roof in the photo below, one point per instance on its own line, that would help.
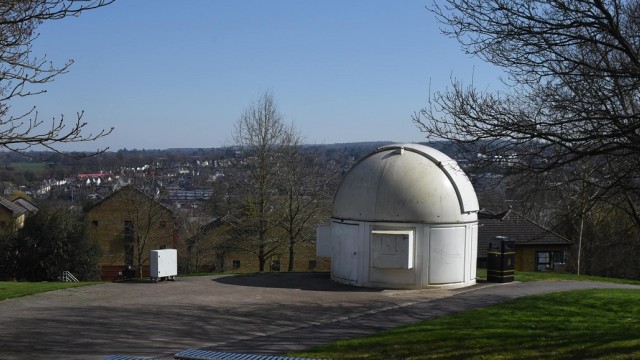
(128, 187)
(28, 205)
(212, 225)
(15, 209)
(516, 227)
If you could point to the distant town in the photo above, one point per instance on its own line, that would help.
(184, 178)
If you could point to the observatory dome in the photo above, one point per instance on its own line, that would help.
(407, 183)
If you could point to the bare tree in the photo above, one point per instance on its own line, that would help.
(573, 70)
(22, 74)
(307, 186)
(264, 137)
(149, 224)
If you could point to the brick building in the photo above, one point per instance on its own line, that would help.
(14, 213)
(127, 225)
(212, 249)
(12, 216)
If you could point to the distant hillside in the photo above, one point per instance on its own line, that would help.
(362, 144)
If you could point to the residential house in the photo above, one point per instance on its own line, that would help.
(127, 224)
(12, 216)
(30, 207)
(207, 250)
(537, 248)
(212, 249)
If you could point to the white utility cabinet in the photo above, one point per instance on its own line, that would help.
(163, 264)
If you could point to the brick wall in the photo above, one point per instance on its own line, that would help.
(105, 224)
(216, 252)
(526, 256)
(305, 259)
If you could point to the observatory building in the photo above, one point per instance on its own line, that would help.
(404, 216)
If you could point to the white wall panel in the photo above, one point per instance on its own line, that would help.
(446, 255)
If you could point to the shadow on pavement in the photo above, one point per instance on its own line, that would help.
(309, 281)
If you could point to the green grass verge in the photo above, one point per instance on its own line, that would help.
(523, 276)
(603, 324)
(13, 289)
(551, 276)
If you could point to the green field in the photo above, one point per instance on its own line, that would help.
(27, 166)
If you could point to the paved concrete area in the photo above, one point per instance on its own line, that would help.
(266, 313)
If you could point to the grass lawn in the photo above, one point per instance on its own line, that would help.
(13, 289)
(585, 324)
(553, 276)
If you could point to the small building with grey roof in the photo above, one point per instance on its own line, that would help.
(12, 215)
(537, 248)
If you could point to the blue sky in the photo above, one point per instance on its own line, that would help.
(169, 73)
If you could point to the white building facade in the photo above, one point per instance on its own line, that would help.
(404, 216)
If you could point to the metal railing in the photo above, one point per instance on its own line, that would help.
(68, 277)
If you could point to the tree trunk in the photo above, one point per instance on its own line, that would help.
(261, 258)
(291, 255)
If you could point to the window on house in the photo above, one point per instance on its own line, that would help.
(236, 264)
(544, 261)
(163, 224)
(128, 231)
(312, 264)
(558, 258)
(94, 223)
(128, 242)
(275, 265)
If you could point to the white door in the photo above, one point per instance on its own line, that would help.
(344, 251)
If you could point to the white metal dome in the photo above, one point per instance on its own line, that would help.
(406, 183)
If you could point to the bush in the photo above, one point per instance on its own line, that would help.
(47, 245)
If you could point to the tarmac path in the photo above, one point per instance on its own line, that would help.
(271, 313)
